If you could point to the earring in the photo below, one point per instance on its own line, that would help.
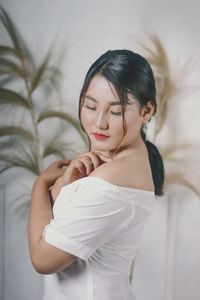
(144, 128)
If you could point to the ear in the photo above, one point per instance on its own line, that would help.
(147, 111)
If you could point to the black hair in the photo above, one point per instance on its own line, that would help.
(129, 73)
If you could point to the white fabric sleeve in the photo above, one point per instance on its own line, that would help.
(85, 219)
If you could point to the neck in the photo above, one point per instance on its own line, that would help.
(129, 148)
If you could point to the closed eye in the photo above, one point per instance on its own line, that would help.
(119, 113)
(90, 107)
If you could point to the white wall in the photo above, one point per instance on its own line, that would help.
(83, 30)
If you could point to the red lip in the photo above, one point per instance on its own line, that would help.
(100, 136)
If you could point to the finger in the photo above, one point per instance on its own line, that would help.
(102, 157)
(87, 162)
(93, 157)
(63, 163)
(59, 167)
(77, 164)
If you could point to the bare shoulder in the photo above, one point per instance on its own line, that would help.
(107, 171)
(127, 173)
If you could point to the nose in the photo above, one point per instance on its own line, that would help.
(102, 120)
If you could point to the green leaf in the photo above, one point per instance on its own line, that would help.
(16, 161)
(63, 116)
(16, 131)
(13, 98)
(56, 147)
(55, 71)
(9, 67)
(58, 114)
(9, 26)
(39, 75)
(6, 50)
(53, 151)
(19, 156)
(52, 75)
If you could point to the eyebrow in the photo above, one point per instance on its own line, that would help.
(94, 100)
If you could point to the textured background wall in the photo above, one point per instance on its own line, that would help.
(168, 264)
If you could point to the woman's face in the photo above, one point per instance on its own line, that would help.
(102, 120)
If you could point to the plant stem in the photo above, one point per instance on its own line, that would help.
(36, 141)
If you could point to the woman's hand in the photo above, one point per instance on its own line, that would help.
(54, 171)
(78, 168)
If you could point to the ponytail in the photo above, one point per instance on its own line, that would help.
(157, 166)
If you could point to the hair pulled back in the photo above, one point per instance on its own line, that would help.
(129, 73)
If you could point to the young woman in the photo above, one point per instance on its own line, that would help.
(103, 198)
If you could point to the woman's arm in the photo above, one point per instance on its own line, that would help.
(46, 258)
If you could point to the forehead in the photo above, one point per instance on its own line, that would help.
(102, 90)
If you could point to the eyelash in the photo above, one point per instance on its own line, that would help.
(116, 113)
(89, 107)
(112, 112)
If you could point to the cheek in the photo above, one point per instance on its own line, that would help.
(133, 123)
(117, 126)
(86, 118)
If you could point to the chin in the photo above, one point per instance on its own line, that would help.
(98, 147)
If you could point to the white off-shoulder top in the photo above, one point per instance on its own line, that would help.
(102, 224)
